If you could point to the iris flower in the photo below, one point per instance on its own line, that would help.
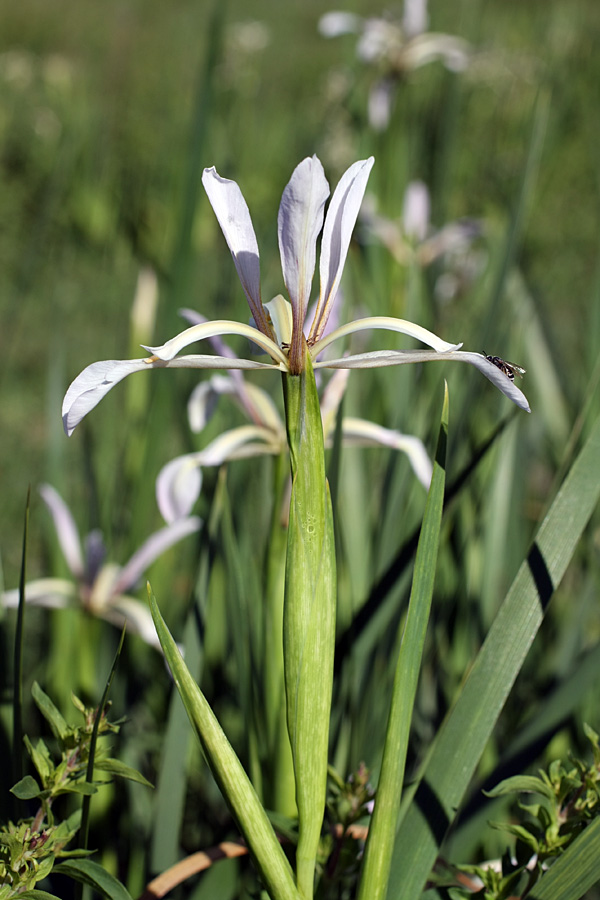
(278, 326)
(97, 586)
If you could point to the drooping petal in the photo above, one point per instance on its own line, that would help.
(360, 433)
(91, 385)
(151, 549)
(380, 358)
(171, 348)
(202, 404)
(299, 224)
(137, 616)
(66, 530)
(240, 443)
(178, 487)
(339, 225)
(233, 214)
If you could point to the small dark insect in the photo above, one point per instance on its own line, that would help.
(507, 368)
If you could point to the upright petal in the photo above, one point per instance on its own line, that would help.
(233, 214)
(66, 529)
(299, 224)
(339, 225)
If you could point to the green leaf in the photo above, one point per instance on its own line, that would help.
(59, 726)
(116, 767)
(382, 830)
(466, 730)
(38, 895)
(573, 873)
(26, 789)
(528, 784)
(228, 771)
(86, 871)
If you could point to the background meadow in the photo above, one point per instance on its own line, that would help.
(108, 115)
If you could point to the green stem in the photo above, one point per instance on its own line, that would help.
(309, 615)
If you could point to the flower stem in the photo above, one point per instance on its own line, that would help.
(309, 615)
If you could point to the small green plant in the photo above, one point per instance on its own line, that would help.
(567, 799)
(31, 847)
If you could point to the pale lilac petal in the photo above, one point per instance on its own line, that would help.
(95, 554)
(66, 529)
(233, 214)
(360, 433)
(151, 549)
(93, 384)
(339, 225)
(380, 358)
(299, 224)
(178, 487)
(52, 593)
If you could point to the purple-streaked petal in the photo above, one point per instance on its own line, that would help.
(151, 549)
(91, 385)
(360, 433)
(380, 358)
(233, 214)
(52, 593)
(178, 487)
(299, 224)
(337, 232)
(95, 554)
(203, 402)
(66, 530)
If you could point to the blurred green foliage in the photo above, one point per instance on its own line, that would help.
(108, 114)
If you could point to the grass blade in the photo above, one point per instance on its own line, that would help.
(573, 873)
(463, 736)
(378, 852)
(229, 772)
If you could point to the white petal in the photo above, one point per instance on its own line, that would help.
(387, 323)
(453, 52)
(238, 443)
(53, 593)
(233, 214)
(66, 529)
(171, 348)
(136, 614)
(339, 225)
(331, 398)
(360, 433)
(416, 210)
(92, 385)
(380, 358)
(299, 224)
(151, 549)
(202, 404)
(332, 24)
(178, 486)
